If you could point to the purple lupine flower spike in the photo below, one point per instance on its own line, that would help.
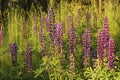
(51, 25)
(69, 22)
(106, 26)
(59, 38)
(24, 30)
(100, 47)
(42, 20)
(42, 41)
(110, 55)
(34, 25)
(41, 34)
(106, 36)
(47, 24)
(86, 43)
(95, 20)
(88, 19)
(72, 43)
(77, 18)
(13, 50)
(80, 38)
(28, 59)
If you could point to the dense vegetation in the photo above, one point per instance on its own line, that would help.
(69, 40)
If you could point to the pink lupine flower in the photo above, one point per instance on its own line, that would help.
(111, 52)
(86, 44)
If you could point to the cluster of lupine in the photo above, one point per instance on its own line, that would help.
(13, 51)
(24, 29)
(103, 41)
(86, 43)
(51, 25)
(72, 43)
(28, 59)
(105, 46)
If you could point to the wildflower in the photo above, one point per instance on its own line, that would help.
(86, 43)
(77, 18)
(51, 25)
(88, 19)
(106, 35)
(42, 40)
(110, 55)
(69, 22)
(28, 59)
(95, 20)
(47, 24)
(42, 20)
(34, 24)
(80, 38)
(59, 37)
(100, 47)
(24, 30)
(13, 50)
(72, 43)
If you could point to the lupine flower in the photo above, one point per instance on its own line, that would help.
(55, 34)
(42, 40)
(24, 30)
(13, 51)
(28, 59)
(100, 47)
(86, 43)
(34, 24)
(59, 37)
(106, 36)
(72, 39)
(77, 18)
(42, 20)
(69, 22)
(110, 55)
(47, 24)
(95, 20)
(80, 38)
(106, 26)
(72, 43)
(88, 19)
(51, 25)
(103, 42)
(72, 62)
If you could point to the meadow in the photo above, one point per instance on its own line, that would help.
(70, 41)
